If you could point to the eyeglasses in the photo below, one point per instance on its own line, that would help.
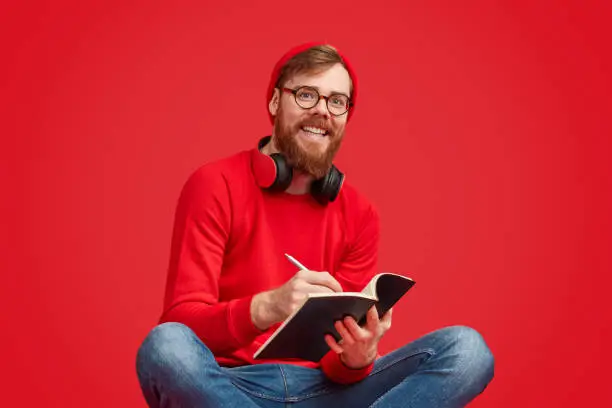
(308, 97)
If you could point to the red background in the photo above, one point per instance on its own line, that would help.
(482, 134)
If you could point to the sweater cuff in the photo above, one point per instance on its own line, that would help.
(239, 321)
(336, 371)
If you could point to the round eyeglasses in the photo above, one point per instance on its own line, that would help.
(308, 97)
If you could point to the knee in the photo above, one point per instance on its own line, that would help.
(472, 354)
(168, 346)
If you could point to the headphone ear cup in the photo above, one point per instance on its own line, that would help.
(284, 173)
(327, 188)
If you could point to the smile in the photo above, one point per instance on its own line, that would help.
(315, 130)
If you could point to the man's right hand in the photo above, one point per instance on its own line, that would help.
(268, 308)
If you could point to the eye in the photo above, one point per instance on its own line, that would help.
(338, 101)
(307, 95)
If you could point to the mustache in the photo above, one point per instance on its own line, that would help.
(319, 123)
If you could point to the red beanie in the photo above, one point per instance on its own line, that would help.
(293, 52)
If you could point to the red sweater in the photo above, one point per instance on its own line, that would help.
(228, 244)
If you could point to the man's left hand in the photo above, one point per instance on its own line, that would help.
(359, 345)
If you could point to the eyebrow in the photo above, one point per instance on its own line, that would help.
(319, 90)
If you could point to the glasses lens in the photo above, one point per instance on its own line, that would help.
(337, 104)
(307, 97)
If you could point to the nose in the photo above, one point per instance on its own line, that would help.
(321, 107)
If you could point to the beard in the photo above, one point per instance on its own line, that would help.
(307, 156)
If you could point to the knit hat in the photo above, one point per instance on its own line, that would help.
(293, 52)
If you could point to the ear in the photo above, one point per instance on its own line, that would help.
(274, 101)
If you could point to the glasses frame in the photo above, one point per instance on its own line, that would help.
(296, 90)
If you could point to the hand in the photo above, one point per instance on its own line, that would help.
(274, 306)
(359, 345)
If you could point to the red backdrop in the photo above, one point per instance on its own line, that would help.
(482, 134)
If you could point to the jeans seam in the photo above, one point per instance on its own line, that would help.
(285, 399)
(306, 396)
(289, 398)
(259, 394)
(284, 381)
(431, 353)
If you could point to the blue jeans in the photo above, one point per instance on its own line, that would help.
(446, 368)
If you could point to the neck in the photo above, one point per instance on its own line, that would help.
(300, 183)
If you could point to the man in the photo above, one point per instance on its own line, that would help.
(229, 285)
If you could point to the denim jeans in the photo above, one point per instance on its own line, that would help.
(446, 368)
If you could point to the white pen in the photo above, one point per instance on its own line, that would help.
(295, 262)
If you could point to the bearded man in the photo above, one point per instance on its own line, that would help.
(229, 286)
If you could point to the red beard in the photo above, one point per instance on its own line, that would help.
(308, 159)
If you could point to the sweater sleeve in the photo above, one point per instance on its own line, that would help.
(201, 231)
(336, 371)
(355, 271)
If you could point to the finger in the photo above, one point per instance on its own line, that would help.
(297, 299)
(322, 279)
(308, 288)
(333, 344)
(347, 337)
(372, 321)
(303, 286)
(358, 333)
(386, 319)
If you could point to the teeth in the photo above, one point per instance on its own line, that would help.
(314, 130)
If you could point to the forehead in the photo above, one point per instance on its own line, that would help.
(335, 79)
